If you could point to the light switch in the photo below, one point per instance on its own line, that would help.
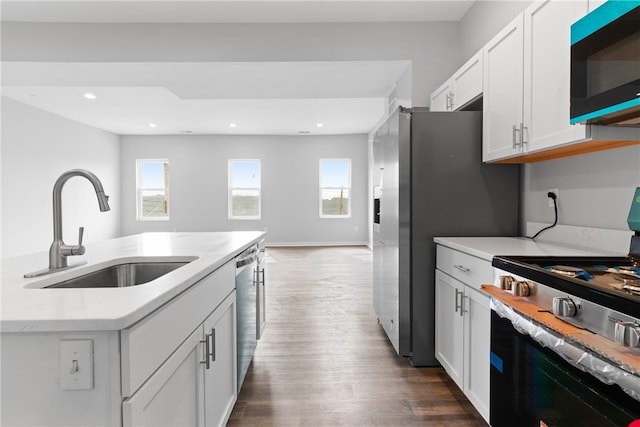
(76, 364)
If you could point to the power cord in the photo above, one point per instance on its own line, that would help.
(552, 196)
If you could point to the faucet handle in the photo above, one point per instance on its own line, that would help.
(78, 249)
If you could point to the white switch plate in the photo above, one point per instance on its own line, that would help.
(76, 364)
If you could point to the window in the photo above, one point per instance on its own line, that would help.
(244, 189)
(153, 189)
(335, 188)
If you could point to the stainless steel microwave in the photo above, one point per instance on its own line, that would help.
(605, 65)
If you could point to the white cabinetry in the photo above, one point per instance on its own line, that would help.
(463, 323)
(463, 87)
(547, 58)
(220, 376)
(441, 97)
(502, 98)
(197, 384)
(526, 82)
(173, 381)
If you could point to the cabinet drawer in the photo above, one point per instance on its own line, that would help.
(148, 343)
(467, 268)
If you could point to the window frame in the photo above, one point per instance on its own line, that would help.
(230, 189)
(349, 188)
(139, 190)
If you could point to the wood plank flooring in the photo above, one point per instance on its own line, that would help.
(324, 360)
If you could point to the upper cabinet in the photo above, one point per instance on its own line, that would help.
(524, 77)
(527, 90)
(502, 124)
(463, 87)
(526, 82)
(547, 58)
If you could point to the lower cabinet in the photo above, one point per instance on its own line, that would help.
(463, 330)
(196, 385)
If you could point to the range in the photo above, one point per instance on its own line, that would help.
(565, 340)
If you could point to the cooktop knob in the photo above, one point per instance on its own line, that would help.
(627, 334)
(564, 307)
(506, 282)
(522, 288)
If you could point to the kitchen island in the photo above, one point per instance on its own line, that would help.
(140, 355)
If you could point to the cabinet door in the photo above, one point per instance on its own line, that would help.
(467, 82)
(477, 345)
(449, 326)
(502, 85)
(173, 394)
(220, 376)
(441, 98)
(547, 60)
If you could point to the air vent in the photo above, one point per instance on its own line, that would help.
(304, 132)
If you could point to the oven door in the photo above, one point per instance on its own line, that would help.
(605, 65)
(533, 386)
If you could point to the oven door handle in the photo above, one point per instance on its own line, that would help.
(588, 361)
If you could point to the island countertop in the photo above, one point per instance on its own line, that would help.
(26, 307)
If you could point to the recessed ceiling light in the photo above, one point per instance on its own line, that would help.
(89, 95)
(319, 125)
(232, 125)
(153, 125)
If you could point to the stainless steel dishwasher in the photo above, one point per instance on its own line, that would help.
(247, 269)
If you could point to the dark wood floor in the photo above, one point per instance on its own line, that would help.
(325, 361)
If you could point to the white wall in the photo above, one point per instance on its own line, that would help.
(290, 182)
(36, 148)
(483, 21)
(595, 190)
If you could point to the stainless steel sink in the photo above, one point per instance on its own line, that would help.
(121, 275)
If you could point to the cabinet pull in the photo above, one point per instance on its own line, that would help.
(458, 306)
(523, 128)
(213, 346)
(451, 98)
(514, 137)
(462, 268)
(462, 310)
(207, 349)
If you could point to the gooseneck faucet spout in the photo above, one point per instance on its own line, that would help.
(59, 252)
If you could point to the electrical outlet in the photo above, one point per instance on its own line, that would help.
(554, 191)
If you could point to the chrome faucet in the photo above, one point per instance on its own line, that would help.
(58, 252)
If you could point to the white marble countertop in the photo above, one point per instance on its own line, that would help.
(488, 247)
(25, 307)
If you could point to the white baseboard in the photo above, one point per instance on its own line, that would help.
(315, 244)
(598, 238)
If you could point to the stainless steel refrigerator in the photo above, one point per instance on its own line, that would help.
(429, 180)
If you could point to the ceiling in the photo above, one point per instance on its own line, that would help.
(270, 98)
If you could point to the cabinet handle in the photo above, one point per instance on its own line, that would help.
(523, 128)
(213, 346)
(451, 98)
(514, 136)
(458, 306)
(207, 349)
(462, 310)
(462, 268)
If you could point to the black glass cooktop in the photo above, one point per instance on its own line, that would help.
(612, 282)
